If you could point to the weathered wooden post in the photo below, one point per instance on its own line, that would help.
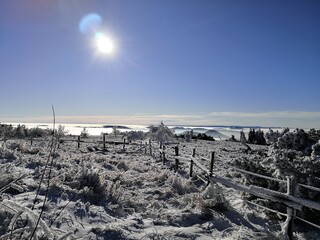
(291, 186)
(211, 164)
(31, 141)
(176, 150)
(140, 146)
(191, 162)
(211, 167)
(104, 142)
(150, 148)
(124, 144)
(78, 141)
(160, 145)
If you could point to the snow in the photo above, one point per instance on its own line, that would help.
(120, 194)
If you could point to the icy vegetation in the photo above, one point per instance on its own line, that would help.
(124, 193)
(291, 154)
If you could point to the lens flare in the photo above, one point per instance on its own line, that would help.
(104, 44)
(90, 23)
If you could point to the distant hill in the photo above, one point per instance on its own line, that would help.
(177, 128)
(194, 133)
(118, 127)
(215, 134)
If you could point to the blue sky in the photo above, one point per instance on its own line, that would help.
(183, 61)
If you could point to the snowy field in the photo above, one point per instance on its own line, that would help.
(126, 194)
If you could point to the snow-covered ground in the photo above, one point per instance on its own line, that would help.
(117, 194)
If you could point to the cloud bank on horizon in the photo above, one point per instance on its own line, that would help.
(263, 119)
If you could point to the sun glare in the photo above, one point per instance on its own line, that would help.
(104, 44)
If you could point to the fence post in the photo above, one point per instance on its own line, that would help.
(104, 142)
(291, 186)
(211, 164)
(191, 162)
(150, 149)
(31, 141)
(140, 146)
(78, 141)
(163, 154)
(211, 167)
(124, 144)
(176, 150)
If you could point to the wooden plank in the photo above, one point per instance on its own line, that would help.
(199, 165)
(312, 224)
(259, 192)
(268, 209)
(309, 187)
(258, 175)
(183, 159)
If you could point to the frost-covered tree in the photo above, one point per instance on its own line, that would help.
(20, 131)
(115, 131)
(188, 136)
(298, 140)
(259, 138)
(160, 133)
(252, 136)
(243, 138)
(84, 133)
(60, 132)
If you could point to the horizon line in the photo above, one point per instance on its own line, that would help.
(291, 119)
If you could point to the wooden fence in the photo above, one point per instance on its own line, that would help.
(78, 140)
(289, 199)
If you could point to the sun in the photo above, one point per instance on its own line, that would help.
(104, 44)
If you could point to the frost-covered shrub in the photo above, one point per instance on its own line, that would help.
(60, 132)
(272, 137)
(160, 133)
(93, 190)
(7, 154)
(315, 150)
(38, 132)
(212, 199)
(294, 154)
(84, 133)
(181, 185)
(135, 135)
(298, 140)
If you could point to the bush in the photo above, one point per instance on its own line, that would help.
(160, 133)
(135, 135)
(84, 133)
(93, 190)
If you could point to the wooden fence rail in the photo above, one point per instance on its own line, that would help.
(289, 199)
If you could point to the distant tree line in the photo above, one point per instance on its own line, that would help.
(190, 135)
(254, 137)
(20, 131)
